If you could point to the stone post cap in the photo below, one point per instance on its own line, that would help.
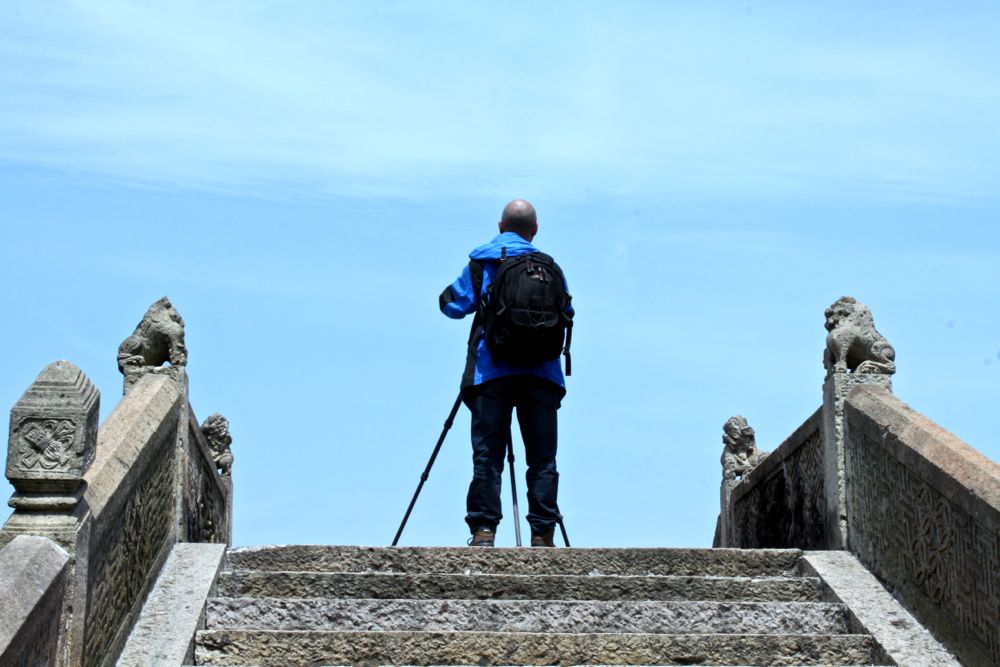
(53, 430)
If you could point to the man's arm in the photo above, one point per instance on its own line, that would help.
(459, 298)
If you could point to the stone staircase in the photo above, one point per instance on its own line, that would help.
(324, 605)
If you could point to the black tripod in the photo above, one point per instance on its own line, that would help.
(430, 463)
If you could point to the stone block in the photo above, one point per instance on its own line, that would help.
(462, 560)
(835, 390)
(548, 616)
(307, 649)
(53, 432)
(924, 516)
(781, 502)
(903, 639)
(33, 572)
(388, 586)
(174, 611)
(131, 494)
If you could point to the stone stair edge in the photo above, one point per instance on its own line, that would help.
(291, 647)
(244, 571)
(508, 586)
(459, 548)
(516, 560)
(747, 604)
(528, 616)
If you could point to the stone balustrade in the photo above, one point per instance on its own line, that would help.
(923, 514)
(116, 498)
(916, 505)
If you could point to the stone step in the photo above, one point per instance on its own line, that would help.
(532, 616)
(383, 585)
(308, 649)
(467, 560)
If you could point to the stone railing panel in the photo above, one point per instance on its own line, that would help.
(781, 502)
(33, 574)
(924, 515)
(130, 493)
(204, 494)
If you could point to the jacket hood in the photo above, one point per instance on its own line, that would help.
(515, 244)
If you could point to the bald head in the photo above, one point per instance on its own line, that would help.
(519, 217)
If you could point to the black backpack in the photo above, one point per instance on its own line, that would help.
(524, 314)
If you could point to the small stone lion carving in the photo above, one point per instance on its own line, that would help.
(740, 454)
(158, 339)
(853, 344)
(216, 430)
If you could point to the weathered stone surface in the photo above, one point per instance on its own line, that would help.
(33, 572)
(902, 638)
(206, 496)
(130, 492)
(739, 449)
(158, 339)
(836, 387)
(444, 560)
(173, 612)
(739, 456)
(924, 516)
(53, 433)
(546, 616)
(516, 587)
(853, 344)
(302, 648)
(216, 430)
(781, 501)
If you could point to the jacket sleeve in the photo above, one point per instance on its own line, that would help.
(569, 304)
(458, 300)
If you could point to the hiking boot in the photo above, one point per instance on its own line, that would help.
(543, 539)
(483, 537)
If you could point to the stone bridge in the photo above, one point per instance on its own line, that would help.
(870, 536)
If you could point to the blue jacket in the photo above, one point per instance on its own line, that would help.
(458, 300)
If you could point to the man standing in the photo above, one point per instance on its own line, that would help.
(511, 366)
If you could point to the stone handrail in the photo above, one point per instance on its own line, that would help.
(780, 503)
(923, 512)
(916, 505)
(32, 586)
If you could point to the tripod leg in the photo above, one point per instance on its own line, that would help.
(427, 471)
(513, 488)
(562, 527)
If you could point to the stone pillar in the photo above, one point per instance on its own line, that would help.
(53, 439)
(835, 389)
(856, 354)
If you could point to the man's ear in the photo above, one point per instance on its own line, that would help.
(500, 226)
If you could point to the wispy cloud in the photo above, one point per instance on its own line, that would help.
(402, 98)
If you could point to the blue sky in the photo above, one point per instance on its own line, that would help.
(302, 182)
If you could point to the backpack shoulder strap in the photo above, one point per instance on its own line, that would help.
(476, 272)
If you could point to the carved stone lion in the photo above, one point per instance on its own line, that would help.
(158, 339)
(853, 344)
(740, 454)
(216, 430)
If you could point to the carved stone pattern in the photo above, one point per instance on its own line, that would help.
(47, 444)
(204, 501)
(907, 531)
(787, 509)
(123, 554)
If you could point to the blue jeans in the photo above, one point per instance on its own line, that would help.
(492, 404)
